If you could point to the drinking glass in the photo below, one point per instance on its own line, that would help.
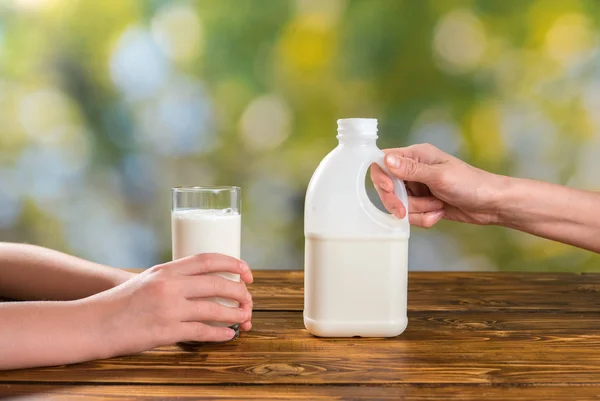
(207, 219)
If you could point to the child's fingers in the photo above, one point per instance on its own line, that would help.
(196, 331)
(204, 286)
(208, 311)
(209, 263)
(246, 326)
(247, 276)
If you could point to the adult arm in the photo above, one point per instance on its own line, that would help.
(442, 186)
(567, 215)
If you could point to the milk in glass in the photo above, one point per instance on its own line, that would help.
(207, 231)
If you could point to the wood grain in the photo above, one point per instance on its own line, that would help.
(276, 290)
(307, 393)
(470, 336)
(457, 291)
(515, 348)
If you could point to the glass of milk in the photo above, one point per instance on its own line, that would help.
(207, 220)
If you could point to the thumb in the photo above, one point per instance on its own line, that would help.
(408, 169)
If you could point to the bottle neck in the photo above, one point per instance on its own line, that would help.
(360, 138)
(361, 131)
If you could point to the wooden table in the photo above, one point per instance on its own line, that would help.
(471, 336)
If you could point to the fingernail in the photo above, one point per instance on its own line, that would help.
(396, 212)
(230, 333)
(392, 160)
(439, 213)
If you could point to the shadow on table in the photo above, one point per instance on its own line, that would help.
(24, 392)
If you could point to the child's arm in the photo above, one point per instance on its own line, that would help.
(31, 272)
(51, 333)
(164, 305)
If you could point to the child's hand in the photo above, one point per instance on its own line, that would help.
(162, 305)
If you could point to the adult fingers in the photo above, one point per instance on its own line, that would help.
(408, 169)
(417, 189)
(426, 220)
(421, 153)
(418, 204)
(385, 189)
(392, 204)
(380, 179)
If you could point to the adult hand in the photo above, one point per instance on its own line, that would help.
(166, 304)
(439, 186)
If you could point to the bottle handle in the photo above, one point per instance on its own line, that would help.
(399, 187)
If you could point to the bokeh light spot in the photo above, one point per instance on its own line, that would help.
(43, 112)
(266, 123)
(180, 122)
(435, 126)
(529, 138)
(330, 11)
(569, 37)
(10, 198)
(48, 173)
(178, 31)
(307, 45)
(486, 139)
(137, 65)
(33, 5)
(459, 41)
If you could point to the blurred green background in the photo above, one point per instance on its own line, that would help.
(106, 104)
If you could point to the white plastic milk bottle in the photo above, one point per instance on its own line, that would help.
(355, 255)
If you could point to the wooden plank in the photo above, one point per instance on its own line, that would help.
(271, 393)
(439, 347)
(456, 291)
